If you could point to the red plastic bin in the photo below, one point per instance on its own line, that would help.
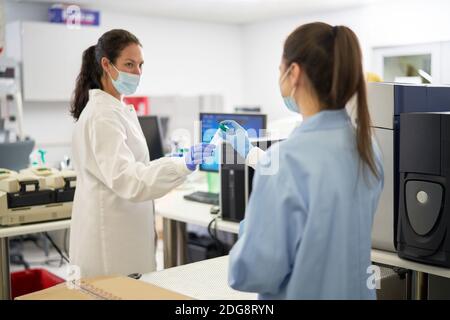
(31, 280)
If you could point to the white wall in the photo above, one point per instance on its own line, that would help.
(187, 58)
(262, 48)
(181, 58)
(386, 24)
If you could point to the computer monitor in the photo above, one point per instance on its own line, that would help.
(16, 155)
(253, 122)
(151, 129)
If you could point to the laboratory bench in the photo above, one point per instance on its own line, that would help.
(184, 278)
(207, 280)
(204, 280)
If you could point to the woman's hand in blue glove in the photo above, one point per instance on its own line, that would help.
(237, 136)
(197, 154)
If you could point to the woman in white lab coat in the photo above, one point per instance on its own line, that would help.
(112, 229)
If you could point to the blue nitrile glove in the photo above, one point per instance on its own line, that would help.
(237, 137)
(197, 154)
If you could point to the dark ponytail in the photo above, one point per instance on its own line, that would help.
(110, 45)
(89, 78)
(348, 78)
(332, 60)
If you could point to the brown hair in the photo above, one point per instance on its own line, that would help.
(332, 60)
(109, 45)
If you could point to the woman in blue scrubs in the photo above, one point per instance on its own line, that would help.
(307, 229)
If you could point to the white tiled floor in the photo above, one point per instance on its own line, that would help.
(37, 259)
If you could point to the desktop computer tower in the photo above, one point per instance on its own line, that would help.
(424, 208)
(236, 181)
(232, 197)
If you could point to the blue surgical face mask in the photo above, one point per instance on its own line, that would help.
(126, 83)
(289, 101)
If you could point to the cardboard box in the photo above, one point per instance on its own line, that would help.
(105, 288)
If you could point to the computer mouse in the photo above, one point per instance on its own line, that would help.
(215, 210)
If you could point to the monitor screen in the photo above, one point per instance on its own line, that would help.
(152, 133)
(253, 123)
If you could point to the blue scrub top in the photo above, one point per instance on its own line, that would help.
(307, 228)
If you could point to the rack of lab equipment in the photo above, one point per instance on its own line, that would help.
(387, 102)
(15, 148)
(35, 195)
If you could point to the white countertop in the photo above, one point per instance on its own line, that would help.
(207, 280)
(174, 206)
(392, 259)
(34, 228)
(204, 280)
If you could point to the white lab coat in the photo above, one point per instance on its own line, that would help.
(112, 228)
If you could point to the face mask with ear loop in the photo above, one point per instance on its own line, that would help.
(289, 101)
(126, 83)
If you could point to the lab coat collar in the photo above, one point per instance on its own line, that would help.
(325, 120)
(103, 95)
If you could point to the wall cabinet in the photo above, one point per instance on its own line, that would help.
(50, 56)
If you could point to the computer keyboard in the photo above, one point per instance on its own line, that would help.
(203, 197)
